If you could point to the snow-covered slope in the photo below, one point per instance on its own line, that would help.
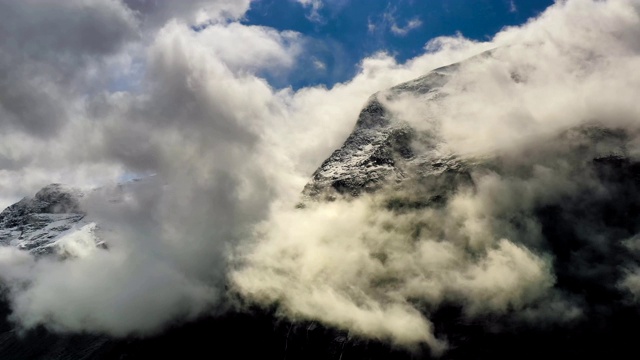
(381, 148)
(51, 222)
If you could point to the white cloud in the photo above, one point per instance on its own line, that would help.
(404, 30)
(244, 47)
(319, 65)
(371, 26)
(155, 14)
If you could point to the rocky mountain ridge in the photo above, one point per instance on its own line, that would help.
(380, 148)
(40, 224)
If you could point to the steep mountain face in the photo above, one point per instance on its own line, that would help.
(381, 149)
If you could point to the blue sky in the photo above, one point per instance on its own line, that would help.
(342, 32)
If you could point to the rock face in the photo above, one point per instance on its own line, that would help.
(381, 149)
(37, 224)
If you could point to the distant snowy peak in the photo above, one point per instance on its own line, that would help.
(48, 223)
(52, 199)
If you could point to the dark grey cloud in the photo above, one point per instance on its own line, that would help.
(155, 13)
(46, 49)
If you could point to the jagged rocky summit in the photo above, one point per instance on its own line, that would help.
(384, 151)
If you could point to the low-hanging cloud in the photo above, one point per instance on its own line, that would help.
(231, 154)
(524, 116)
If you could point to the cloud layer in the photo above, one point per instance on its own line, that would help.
(136, 90)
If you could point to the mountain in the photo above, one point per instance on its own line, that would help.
(571, 195)
(381, 149)
(568, 194)
(46, 223)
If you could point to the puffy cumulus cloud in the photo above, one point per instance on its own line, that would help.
(231, 155)
(58, 59)
(252, 47)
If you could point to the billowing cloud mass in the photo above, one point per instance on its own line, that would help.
(121, 88)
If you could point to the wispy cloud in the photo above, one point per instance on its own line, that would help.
(371, 26)
(389, 21)
(319, 65)
(408, 27)
(314, 12)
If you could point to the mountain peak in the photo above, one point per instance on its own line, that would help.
(35, 224)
